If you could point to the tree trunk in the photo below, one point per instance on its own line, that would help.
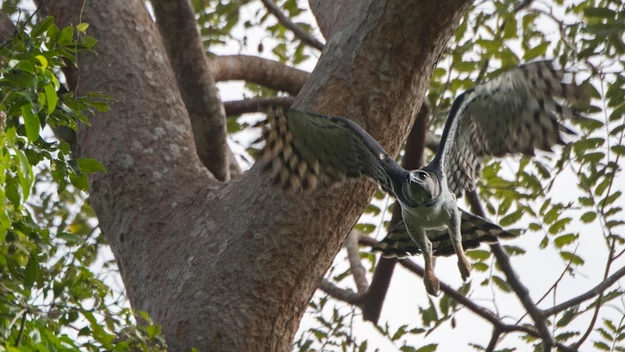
(231, 267)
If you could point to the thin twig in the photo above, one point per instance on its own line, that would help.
(298, 31)
(601, 287)
(553, 287)
(21, 333)
(353, 255)
(342, 294)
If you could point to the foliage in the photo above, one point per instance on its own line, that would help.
(51, 298)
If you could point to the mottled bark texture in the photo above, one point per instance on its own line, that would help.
(177, 25)
(231, 267)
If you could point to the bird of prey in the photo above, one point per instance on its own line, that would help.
(514, 113)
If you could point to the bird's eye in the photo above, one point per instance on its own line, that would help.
(423, 175)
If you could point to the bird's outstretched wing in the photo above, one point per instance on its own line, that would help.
(305, 150)
(516, 112)
(475, 230)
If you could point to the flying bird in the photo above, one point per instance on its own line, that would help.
(514, 113)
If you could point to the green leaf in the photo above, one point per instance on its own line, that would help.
(592, 157)
(366, 228)
(25, 174)
(559, 225)
(372, 209)
(363, 347)
(42, 26)
(564, 240)
(573, 258)
(31, 122)
(66, 36)
(510, 28)
(82, 27)
(100, 106)
(601, 12)
(511, 218)
(32, 270)
(480, 266)
(513, 250)
(567, 317)
(478, 254)
(12, 192)
(79, 181)
(428, 348)
(501, 283)
(618, 149)
(588, 217)
(535, 52)
(601, 346)
(51, 98)
(42, 60)
(87, 165)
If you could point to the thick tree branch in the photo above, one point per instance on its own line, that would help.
(413, 159)
(176, 20)
(431, 142)
(454, 294)
(246, 106)
(595, 291)
(494, 339)
(267, 73)
(523, 294)
(517, 286)
(480, 311)
(298, 31)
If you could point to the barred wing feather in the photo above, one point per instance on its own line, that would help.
(306, 150)
(516, 112)
(475, 231)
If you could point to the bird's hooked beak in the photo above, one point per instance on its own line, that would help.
(417, 190)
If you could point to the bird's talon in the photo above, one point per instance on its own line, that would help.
(465, 269)
(432, 285)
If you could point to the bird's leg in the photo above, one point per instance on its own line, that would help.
(432, 285)
(456, 240)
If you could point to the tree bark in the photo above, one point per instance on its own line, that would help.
(176, 20)
(268, 73)
(231, 267)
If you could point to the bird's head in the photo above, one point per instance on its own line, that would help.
(421, 187)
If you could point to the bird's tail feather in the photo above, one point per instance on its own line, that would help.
(475, 230)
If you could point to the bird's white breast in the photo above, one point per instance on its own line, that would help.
(435, 216)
